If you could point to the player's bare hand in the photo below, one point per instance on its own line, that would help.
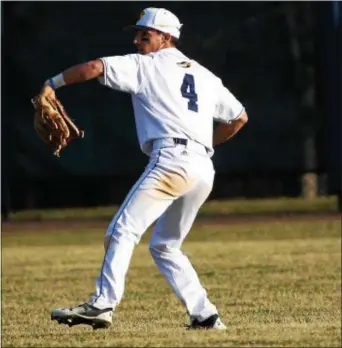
(48, 91)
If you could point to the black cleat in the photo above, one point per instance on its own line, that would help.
(212, 323)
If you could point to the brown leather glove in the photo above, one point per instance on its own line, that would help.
(53, 124)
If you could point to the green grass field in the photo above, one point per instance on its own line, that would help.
(218, 208)
(275, 284)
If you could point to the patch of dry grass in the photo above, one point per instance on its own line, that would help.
(275, 285)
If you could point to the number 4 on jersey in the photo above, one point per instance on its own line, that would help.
(188, 91)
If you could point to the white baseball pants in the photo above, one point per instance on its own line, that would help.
(174, 185)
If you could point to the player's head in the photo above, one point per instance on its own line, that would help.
(157, 28)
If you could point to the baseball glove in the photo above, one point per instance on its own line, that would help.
(53, 124)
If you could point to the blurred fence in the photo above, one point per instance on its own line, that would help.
(270, 54)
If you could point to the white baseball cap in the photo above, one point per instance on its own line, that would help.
(159, 19)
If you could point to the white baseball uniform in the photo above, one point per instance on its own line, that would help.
(175, 101)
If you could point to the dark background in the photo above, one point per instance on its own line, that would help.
(281, 59)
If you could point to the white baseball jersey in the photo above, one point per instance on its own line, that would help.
(172, 96)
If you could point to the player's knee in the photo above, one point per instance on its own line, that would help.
(117, 231)
(156, 248)
(118, 235)
(162, 249)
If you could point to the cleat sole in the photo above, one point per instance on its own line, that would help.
(77, 320)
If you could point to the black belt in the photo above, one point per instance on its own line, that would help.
(184, 142)
(180, 141)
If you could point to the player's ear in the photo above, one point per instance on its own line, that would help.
(167, 37)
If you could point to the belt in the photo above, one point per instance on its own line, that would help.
(172, 142)
(180, 141)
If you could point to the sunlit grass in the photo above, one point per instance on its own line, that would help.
(275, 285)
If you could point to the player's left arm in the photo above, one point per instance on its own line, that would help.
(83, 72)
(75, 74)
(121, 73)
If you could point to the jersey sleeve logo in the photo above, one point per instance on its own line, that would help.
(184, 64)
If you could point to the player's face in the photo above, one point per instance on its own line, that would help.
(148, 40)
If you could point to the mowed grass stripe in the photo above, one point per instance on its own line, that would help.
(223, 208)
(278, 285)
(203, 232)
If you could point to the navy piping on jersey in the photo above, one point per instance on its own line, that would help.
(124, 205)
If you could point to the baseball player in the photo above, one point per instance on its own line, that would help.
(175, 101)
